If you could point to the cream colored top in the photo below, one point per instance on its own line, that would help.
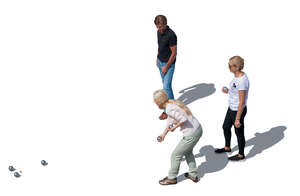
(176, 114)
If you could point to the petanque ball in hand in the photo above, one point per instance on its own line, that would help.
(158, 138)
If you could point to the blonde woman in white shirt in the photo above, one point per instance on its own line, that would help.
(237, 110)
(179, 115)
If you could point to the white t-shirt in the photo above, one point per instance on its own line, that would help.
(176, 114)
(236, 85)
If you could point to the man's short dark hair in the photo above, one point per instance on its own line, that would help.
(160, 19)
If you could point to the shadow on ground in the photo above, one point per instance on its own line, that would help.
(217, 162)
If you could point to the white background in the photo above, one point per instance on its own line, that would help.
(76, 84)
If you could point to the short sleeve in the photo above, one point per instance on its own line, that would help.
(177, 116)
(243, 85)
(173, 40)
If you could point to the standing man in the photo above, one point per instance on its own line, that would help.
(166, 57)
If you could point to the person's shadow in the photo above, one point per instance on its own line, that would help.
(264, 140)
(195, 92)
(214, 162)
(217, 162)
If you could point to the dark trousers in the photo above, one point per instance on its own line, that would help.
(227, 125)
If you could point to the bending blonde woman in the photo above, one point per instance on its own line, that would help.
(179, 115)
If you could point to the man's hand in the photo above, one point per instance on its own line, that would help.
(164, 69)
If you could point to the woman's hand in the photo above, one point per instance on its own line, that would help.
(237, 123)
(171, 128)
(225, 90)
(162, 137)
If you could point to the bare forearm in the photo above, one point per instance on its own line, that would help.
(176, 126)
(171, 59)
(166, 131)
(242, 95)
(240, 111)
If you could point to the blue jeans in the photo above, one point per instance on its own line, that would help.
(167, 78)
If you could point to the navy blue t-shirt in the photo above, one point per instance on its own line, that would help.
(165, 41)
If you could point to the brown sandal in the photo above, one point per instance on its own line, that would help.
(167, 181)
(163, 116)
(187, 175)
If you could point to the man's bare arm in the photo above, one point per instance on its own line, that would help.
(172, 57)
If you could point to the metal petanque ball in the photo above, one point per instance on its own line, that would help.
(158, 138)
(11, 168)
(17, 175)
(44, 163)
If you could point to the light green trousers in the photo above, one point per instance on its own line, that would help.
(185, 148)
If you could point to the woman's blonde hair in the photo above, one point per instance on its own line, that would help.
(161, 97)
(237, 61)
